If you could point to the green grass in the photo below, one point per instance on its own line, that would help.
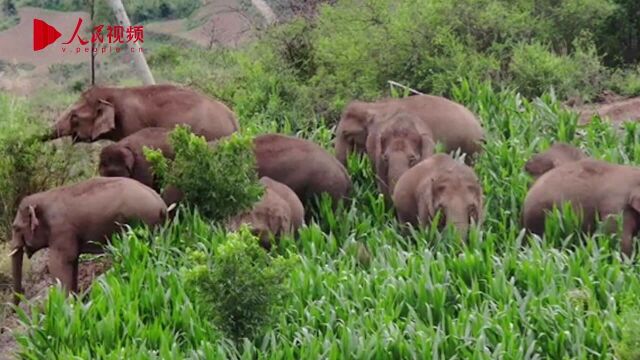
(366, 289)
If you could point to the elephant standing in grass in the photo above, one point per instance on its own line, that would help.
(595, 189)
(278, 212)
(73, 219)
(439, 184)
(450, 123)
(114, 113)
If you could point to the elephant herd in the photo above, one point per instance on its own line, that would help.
(398, 135)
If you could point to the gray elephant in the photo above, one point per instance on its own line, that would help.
(74, 219)
(595, 189)
(439, 184)
(450, 123)
(114, 113)
(278, 212)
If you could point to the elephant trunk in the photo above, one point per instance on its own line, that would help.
(61, 128)
(16, 271)
(341, 150)
(457, 216)
(398, 165)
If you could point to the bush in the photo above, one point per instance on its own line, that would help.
(28, 165)
(220, 182)
(239, 286)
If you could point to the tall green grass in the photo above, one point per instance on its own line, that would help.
(365, 288)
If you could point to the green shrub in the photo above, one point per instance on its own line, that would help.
(28, 165)
(239, 286)
(220, 181)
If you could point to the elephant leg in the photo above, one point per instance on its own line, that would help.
(629, 228)
(63, 264)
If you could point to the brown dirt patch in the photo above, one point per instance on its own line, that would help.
(223, 23)
(36, 284)
(614, 110)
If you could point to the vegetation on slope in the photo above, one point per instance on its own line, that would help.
(423, 294)
(361, 287)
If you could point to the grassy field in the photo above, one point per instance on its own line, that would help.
(354, 284)
(360, 287)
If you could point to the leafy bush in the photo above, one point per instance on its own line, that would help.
(239, 285)
(220, 182)
(26, 164)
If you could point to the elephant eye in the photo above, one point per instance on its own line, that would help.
(74, 120)
(412, 160)
(385, 158)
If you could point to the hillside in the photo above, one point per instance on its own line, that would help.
(353, 281)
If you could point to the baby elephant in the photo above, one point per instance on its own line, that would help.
(558, 154)
(279, 212)
(126, 157)
(595, 189)
(69, 219)
(396, 145)
(439, 184)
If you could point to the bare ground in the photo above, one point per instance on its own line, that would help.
(36, 284)
(614, 109)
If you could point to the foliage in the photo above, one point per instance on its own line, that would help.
(26, 164)
(203, 173)
(417, 294)
(239, 284)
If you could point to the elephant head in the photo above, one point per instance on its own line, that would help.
(353, 129)
(402, 146)
(116, 160)
(456, 197)
(30, 233)
(89, 119)
(264, 223)
(557, 155)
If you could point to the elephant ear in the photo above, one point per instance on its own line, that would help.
(425, 204)
(634, 200)
(105, 121)
(128, 158)
(33, 218)
(428, 146)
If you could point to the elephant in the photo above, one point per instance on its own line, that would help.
(75, 219)
(126, 157)
(450, 123)
(439, 184)
(302, 165)
(278, 212)
(113, 113)
(396, 145)
(595, 189)
(558, 154)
